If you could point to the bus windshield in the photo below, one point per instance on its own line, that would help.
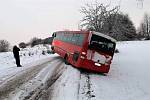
(102, 44)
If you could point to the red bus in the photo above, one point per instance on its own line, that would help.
(85, 49)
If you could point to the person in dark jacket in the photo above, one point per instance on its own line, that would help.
(16, 55)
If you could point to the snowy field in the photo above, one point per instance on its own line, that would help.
(128, 78)
(28, 56)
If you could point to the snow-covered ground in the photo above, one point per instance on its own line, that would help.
(28, 57)
(128, 78)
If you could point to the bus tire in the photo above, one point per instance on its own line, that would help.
(53, 52)
(66, 60)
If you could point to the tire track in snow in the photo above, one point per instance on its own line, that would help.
(41, 90)
(46, 93)
(66, 86)
(85, 90)
(13, 71)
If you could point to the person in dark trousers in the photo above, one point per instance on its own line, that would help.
(16, 55)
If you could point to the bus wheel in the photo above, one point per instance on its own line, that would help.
(66, 60)
(53, 52)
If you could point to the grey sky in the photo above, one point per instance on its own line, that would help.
(20, 20)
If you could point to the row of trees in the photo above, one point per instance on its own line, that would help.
(5, 45)
(36, 41)
(112, 22)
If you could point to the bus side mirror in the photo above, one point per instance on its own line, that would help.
(54, 35)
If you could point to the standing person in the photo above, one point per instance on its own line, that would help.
(16, 55)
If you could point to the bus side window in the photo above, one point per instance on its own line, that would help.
(69, 38)
(76, 37)
(62, 37)
(65, 38)
(58, 36)
(80, 40)
(73, 39)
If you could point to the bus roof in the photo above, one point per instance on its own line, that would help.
(74, 31)
(105, 36)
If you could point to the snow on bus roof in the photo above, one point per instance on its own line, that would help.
(73, 31)
(105, 36)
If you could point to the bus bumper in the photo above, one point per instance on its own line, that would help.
(95, 67)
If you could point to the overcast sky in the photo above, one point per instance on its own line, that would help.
(21, 20)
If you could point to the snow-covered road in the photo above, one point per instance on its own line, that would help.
(34, 88)
(18, 76)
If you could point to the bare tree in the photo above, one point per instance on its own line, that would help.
(147, 24)
(95, 15)
(4, 45)
(101, 18)
(144, 28)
